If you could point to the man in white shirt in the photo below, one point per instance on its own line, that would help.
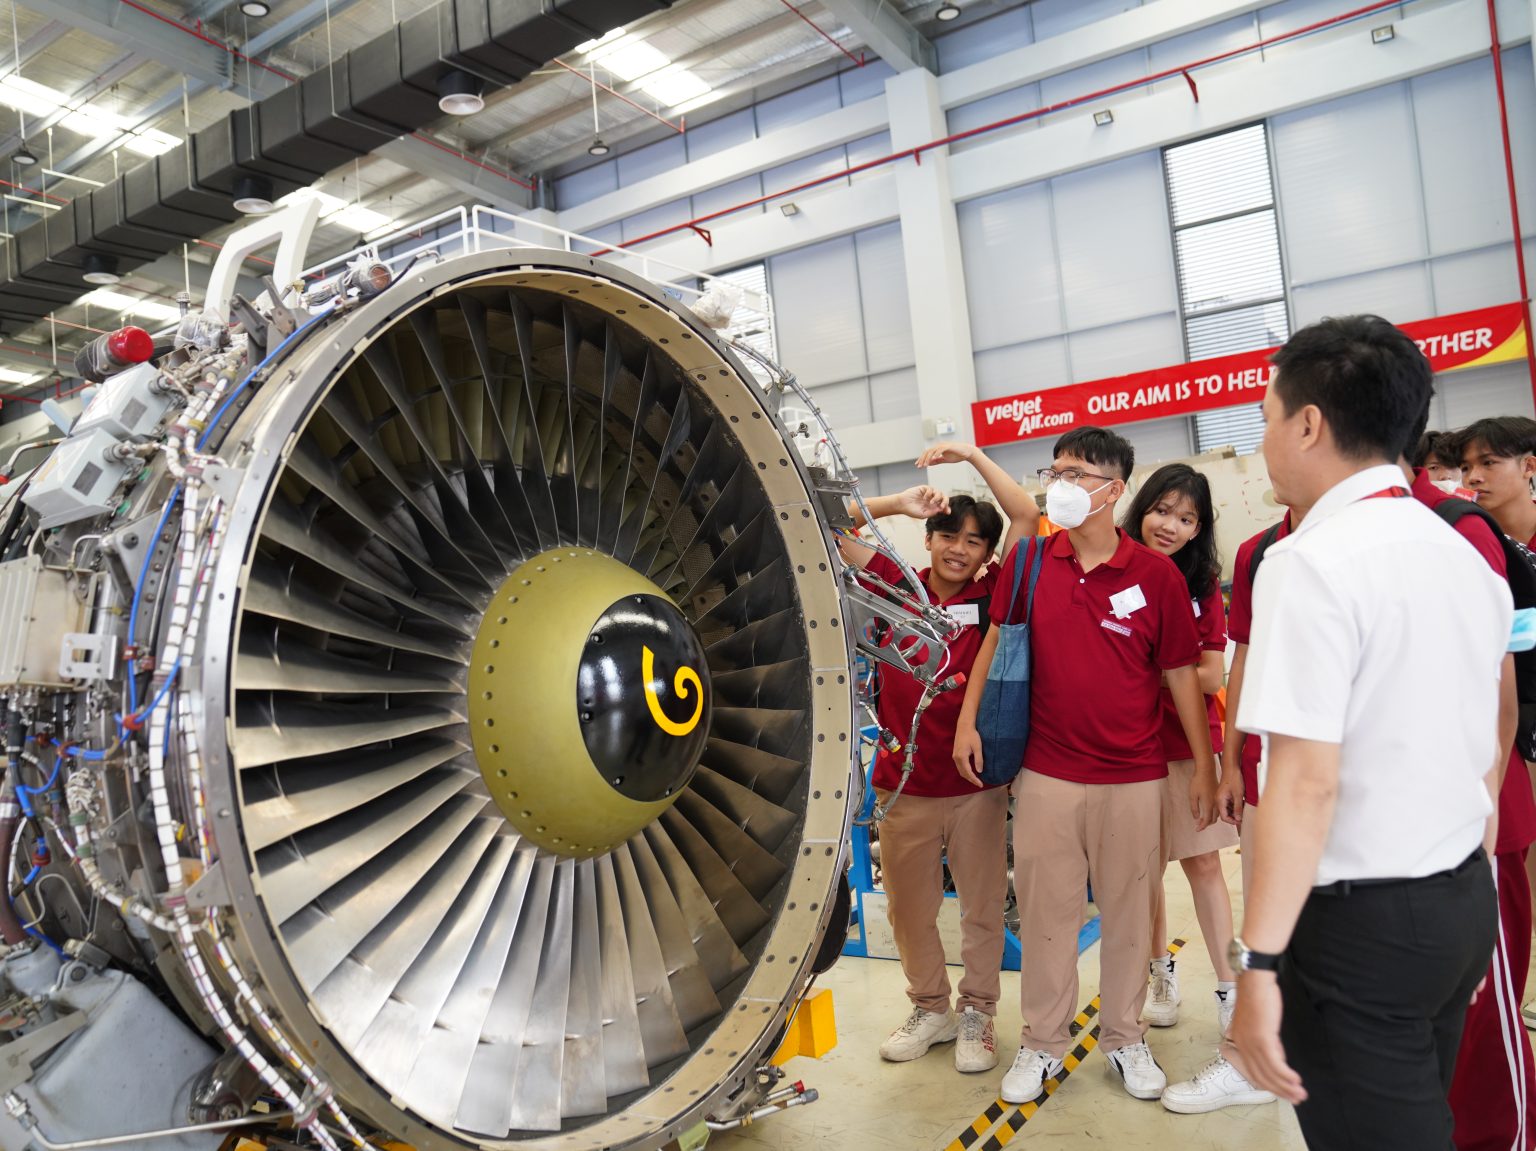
(1374, 679)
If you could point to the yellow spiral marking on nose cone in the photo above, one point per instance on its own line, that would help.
(680, 684)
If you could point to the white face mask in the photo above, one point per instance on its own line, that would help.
(1447, 486)
(1067, 504)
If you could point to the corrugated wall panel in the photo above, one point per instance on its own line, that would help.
(1011, 278)
(1501, 390)
(652, 160)
(1133, 346)
(1348, 185)
(1114, 244)
(1053, 17)
(1461, 157)
(893, 395)
(816, 304)
(883, 298)
(1399, 294)
(798, 106)
(718, 135)
(985, 39)
(729, 195)
(1022, 368)
(1475, 279)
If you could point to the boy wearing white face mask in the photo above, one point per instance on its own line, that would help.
(1110, 618)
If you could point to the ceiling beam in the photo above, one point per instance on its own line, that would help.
(165, 41)
(740, 93)
(294, 25)
(113, 73)
(462, 173)
(583, 106)
(886, 31)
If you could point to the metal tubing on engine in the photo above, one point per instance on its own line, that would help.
(23, 1114)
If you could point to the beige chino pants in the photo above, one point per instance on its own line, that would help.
(971, 830)
(1063, 835)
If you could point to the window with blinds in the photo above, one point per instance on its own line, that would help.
(1227, 251)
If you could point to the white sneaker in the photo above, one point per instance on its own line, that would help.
(977, 1048)
(1026, 1078)
(1216, 1085)
(1142, 1077)
(1162, 1007)
(1226, 1004)
(1528, 1016)
(921, 1031)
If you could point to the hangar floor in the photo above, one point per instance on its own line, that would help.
(926, 1104)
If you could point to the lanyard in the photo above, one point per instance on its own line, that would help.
(1388, 494)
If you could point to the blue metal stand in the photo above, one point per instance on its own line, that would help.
(861, 876)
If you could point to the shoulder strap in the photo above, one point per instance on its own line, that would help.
(1453, 509)
(1034, 578)
(1021, 555)
(1518, 561)
(1271, 534)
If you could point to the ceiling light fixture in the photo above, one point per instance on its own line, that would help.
(597, 147)
(1383, 34)
(789, 209)
(460, 94)
(1103, 118)
(947, 12)
(100, 269)
(256, 8)
(22, 158)
(253, 195)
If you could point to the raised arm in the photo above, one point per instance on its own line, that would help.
(1016, 503)
(920, 502)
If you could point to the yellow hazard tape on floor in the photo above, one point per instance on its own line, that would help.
(1003, 1120)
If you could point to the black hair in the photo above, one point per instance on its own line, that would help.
(1198, 559)
(1503, 436)
(989, 521)
(1369, 380)
(1442, 446)
(1099, 447)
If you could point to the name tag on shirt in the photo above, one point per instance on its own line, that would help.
(965, 614)
(1118, 628)
(1126, 603)
(1196, 604)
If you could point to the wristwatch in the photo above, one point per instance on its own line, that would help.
(1244, 958)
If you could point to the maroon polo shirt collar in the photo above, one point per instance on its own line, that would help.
(973, 590)
(1061, 548)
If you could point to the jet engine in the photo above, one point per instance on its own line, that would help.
(429, 717)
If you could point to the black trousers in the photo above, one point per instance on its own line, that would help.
(1376, 984)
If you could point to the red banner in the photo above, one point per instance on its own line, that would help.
(1465, 340)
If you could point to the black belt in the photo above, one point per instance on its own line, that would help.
(1345, 886)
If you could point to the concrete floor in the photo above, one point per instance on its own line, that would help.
(924, 1105)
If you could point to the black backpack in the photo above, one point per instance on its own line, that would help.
(1271, 534)
(1521, 567)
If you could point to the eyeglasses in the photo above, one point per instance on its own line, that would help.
(1073, 476)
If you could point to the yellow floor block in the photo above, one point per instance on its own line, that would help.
(812, 1029)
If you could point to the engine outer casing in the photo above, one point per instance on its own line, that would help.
(257, 445)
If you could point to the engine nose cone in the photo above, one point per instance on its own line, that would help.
(589, 701)
(643, 700)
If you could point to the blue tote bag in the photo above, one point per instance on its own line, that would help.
(1002, 719)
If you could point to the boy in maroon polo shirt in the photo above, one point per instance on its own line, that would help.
(938, 816)
(1111, 619)
(1498, 459)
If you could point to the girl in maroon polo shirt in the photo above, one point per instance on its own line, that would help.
(1172, 514)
